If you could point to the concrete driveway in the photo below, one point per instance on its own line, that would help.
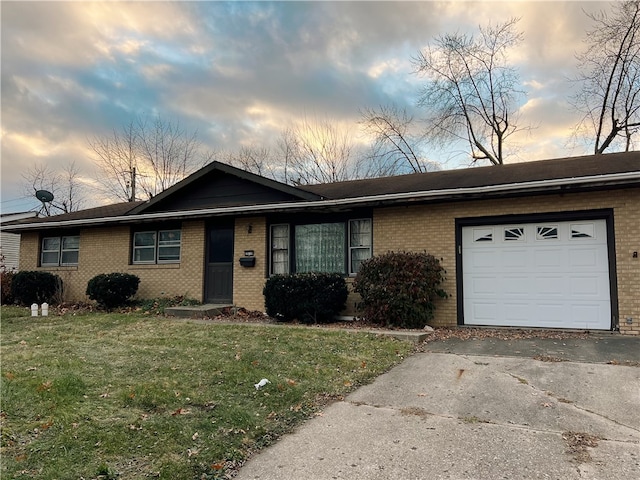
(488, 410)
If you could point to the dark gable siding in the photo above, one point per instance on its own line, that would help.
(222, 190)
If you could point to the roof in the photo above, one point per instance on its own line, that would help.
(538, 177)
(572, 167)
(113, 210)
(215, 166)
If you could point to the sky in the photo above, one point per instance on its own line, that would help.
(238, 73)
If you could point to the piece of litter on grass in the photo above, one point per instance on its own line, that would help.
(261, 383)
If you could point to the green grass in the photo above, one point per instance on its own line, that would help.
(126, 396)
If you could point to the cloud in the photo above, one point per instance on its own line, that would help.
(240, 72)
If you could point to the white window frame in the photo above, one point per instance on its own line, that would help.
(157, 246)
(59, 251)
(272, 249)
(348, 254)
(164, 244)
(359, 247)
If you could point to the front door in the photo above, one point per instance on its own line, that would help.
(219, 265)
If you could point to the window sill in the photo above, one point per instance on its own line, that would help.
(58, 268)
(154, 266)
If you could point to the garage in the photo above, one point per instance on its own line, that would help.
(545, 274)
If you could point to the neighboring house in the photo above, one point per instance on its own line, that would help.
(10, 242)
(549, 243)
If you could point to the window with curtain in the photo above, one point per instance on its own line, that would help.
(359, 243)
(60, 251)
(339, 247)
(279, 249)
(320, 247)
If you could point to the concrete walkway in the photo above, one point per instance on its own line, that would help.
(480, 409)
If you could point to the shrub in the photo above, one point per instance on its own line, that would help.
(6, 278)
(399, 288)
(308, 297)
(29, 287)
(112, 290)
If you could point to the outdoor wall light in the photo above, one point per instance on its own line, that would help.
(249, 228)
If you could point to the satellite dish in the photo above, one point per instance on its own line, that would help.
(44, 196)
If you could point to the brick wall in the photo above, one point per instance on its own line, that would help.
(432, 228)
(248, 282)
(417, 228)
(107, 250)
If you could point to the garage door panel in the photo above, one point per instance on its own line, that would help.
(547, 286)
(553, 275)
(586, 286)
(483, 259)
(589, 315)
(483, 286)
(484, 311)
(551, 258)
(517, 313)
(515, 259)
(512, 285)
(585, 257)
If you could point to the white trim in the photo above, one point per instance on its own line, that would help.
(265, 208)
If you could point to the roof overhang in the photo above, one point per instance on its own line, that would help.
(626, 179)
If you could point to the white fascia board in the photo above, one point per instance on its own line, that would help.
(523, 187)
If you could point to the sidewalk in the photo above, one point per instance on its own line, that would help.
(478, 409)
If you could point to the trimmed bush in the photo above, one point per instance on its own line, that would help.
(6, 279)
(306, 297)
(29, 287)
(112, 290)
(399, 288)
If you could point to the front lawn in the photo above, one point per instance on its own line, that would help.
(132, 396)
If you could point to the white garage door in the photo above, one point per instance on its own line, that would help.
(553, 275)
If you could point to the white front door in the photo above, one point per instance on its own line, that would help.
(546, 274)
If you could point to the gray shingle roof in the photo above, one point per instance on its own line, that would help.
(592, 165)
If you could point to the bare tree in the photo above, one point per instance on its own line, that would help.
(609, 98)
(255, 159)
(320, 152)
(396, 141)
(66, 187)
(146, 156)
(471, 91)
(116, 157)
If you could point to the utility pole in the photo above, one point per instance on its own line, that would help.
(133, 185)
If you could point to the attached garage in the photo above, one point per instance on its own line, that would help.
(545, 273)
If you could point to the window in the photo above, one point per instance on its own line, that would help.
(359, 243)
(338, 247)
(483, 235)
(60, 251)
(514, 234)
(279, 249)
(547, 232)
(583, 230)
(162, 246)
(320, 247)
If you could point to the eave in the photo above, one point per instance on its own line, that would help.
(546, 187)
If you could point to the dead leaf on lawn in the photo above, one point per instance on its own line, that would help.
(45, 386)
(192, 452)
(181, 411)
